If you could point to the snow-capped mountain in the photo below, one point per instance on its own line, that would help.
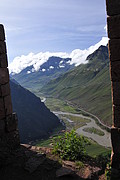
(51, 69)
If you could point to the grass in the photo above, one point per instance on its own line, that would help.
(95, 150)
(76, 123)
(47, 142)
(55, 104)
(44, 143)
(94, 130)
(79, 164)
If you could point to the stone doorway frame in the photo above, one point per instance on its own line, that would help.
(113, 24)
(9, 136)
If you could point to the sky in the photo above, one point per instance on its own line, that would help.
(34, 26)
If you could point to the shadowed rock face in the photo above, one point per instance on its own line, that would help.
(35, 121)
(113, 22)
(9, 136)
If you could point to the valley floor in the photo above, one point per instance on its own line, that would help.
(83, 122)
(103, 140)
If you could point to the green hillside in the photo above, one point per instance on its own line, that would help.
(88, 86)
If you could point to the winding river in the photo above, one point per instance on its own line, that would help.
(102, 140)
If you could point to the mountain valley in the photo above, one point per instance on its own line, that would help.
(88, 86)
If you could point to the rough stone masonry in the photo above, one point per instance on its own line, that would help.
(9, 136)
(113, 22)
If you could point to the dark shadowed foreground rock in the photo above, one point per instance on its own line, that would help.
(38, 163)
(63, 171)
(25, 163)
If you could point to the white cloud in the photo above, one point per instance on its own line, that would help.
(20, 63)
(51, 67)
(61, 66)
(36, 60)
(28, 72)
(61, 62)
(43, 70)
(79, 56)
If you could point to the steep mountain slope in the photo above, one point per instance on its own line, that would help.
(35, 121)
(51, 69)
(87, 85)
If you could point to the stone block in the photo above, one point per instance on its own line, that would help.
(0, 92)
(114, 49)
(8, 105)
(4, 76)
(13, 139)
(3, 47)
(2, 127)
(3, 60)
(116, 116)
(115, 164)
(2, 109)
(113, 7)
(2, 33)
(115, 138)
(9, 141)
(115, 158)
(11, 122)
(113, 24)
(116, 93)
(115, 70)
(5, 90)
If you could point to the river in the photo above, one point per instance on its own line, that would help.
(102, 140)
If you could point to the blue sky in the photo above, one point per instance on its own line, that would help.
(51, 25)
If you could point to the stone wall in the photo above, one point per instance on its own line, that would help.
(113, 22)
(9, 136)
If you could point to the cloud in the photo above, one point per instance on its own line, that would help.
(36, 60)
(77, 56)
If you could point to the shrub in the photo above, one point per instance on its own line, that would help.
(79, 164)
(108, 171)
(103, 160)
(70, 146)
